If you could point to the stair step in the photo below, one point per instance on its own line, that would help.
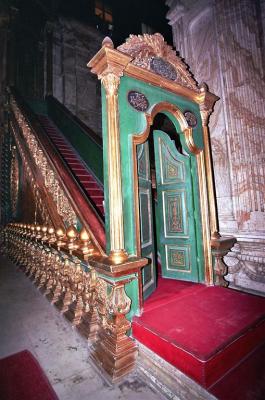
(86, 179)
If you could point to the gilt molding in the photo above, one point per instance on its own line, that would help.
(151, 52)
(50, 180)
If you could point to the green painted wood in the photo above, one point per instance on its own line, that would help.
(175, 211)
(146, 219)
(133, 122)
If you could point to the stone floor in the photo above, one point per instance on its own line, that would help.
(29, 321)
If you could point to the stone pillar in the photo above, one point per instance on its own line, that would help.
(223, 43)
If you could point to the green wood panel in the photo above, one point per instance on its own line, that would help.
(175, 211)
(146, 219)
(133, 122)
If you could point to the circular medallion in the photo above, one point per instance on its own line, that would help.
(190, 118)
(138, 100)
(163, 68)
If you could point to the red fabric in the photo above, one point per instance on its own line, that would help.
(21, 378)
(201, 330)
(246, 381)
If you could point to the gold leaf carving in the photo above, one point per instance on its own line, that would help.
(63, 205)
(145, 48)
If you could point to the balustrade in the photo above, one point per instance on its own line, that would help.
(57, 261)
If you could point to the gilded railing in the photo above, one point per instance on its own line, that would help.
(59, 196)
(58, 263)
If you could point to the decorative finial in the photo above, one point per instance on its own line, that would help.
(107, 42)
(203, 87)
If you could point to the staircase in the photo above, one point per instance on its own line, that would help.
(79, 169)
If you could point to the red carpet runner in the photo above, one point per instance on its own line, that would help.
(203, 331)
(78, 168)
(21, 378)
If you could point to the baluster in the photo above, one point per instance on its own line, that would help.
(89, 323)
(76, 308)
(54, 286)
(42, 256)
(65, 298)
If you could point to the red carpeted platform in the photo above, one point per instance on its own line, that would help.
(90, 185)
(21, 378)
(203, 331)
(244, 382)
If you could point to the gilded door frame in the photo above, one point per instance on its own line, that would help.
(199, 156)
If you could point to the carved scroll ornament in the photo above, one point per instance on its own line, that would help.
(52, 184)
(151, 52)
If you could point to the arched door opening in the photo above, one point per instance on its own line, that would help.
(167, 213)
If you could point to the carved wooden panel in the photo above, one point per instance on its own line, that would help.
(178, 258)
(175, 213)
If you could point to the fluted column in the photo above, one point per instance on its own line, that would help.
(109, 68)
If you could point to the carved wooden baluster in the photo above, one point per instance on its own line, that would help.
(76, 308)
(36, 271)
(54, 286)
(45, 267)
(101, 298)
(114, 351)
(49, 263)
(89, 322)
(43, 255)
(34, 230)
(65, 298)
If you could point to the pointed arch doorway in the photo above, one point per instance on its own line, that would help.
(169, 209)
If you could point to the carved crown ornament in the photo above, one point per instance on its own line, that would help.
(151, 52)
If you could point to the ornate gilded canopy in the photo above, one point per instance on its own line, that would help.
(151, 52)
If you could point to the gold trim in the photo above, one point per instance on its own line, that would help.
(208, 269)
(111, 83)
(149, 77)
(210, 182)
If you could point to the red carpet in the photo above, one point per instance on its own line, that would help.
(91, 187)
(21, 378)
(203, 331)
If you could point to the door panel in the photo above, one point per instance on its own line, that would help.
(175, 211)
(146, 219)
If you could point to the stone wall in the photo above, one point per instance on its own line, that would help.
(73, 45)
(223, 44)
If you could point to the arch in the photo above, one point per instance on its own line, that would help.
(177, 117)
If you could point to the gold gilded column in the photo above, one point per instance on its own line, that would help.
(111, 83)
(109, 64)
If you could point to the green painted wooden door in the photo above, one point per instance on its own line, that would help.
(146, 219)
(176, 239)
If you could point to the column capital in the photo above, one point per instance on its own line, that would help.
(206, 102)
(109, 61)
(111, 83)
